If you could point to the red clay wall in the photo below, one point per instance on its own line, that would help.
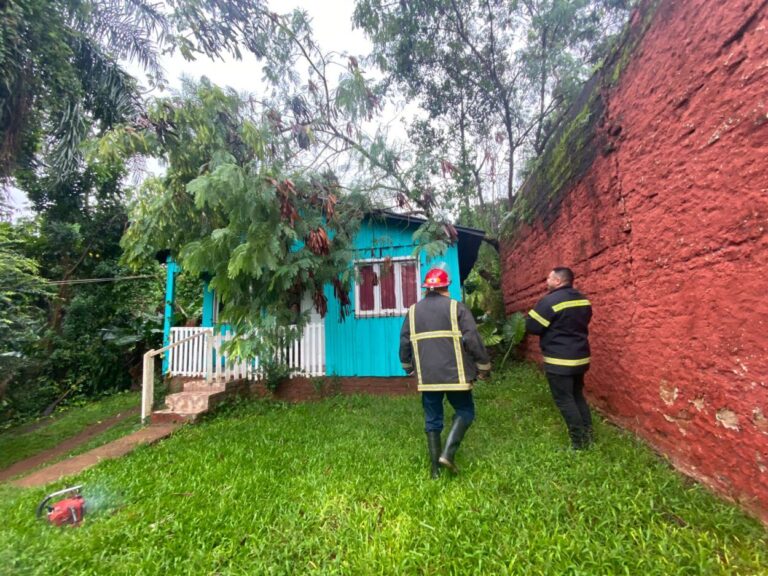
(667, 234)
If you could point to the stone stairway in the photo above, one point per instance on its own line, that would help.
(197, 398)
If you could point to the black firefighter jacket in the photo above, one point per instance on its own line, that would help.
(440, 337)
(561, 319)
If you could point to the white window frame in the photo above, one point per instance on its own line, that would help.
(377, 311)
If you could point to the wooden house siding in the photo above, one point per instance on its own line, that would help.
(368, 346)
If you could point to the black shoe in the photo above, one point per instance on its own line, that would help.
(578, 438)
(455, 436)
(433, 443)
(590, 435)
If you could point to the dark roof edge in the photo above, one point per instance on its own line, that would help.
(420, 220)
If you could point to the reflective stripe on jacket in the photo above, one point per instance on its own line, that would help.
(439, 340)
(561, 319)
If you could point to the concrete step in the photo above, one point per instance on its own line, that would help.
(160, 417)
(201, 386)
(191, 402)
(197, 398)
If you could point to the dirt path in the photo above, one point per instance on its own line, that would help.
(66, 446)
(114, 449)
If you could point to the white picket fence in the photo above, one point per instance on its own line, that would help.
(202, 356)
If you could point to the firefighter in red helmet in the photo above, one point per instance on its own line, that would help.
(440, 342)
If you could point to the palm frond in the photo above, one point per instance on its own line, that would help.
(126, 28)
(71, 129)
(111, 94)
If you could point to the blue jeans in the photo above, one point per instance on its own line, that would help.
(433, 408)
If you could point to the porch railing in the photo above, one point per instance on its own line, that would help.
(198, 340)
(305, 355)
(197, 352)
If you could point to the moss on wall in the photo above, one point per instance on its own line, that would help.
(573, 148)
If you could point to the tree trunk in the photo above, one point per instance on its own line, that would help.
(511, 177)
(542, 91)
(464, 156)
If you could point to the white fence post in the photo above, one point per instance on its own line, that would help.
(147, 385)
(208, 360)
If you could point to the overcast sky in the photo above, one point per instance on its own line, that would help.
(332, 27)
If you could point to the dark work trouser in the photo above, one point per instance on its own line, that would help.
(432, 402)
(567, 392)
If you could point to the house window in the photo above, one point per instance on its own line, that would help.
(386, 287)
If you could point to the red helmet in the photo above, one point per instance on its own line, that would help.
(436, 278)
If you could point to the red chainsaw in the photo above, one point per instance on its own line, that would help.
(68, 511)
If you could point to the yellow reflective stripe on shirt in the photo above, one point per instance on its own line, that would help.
(414, 342)
(444, 387)
(457, 341)
(434, 334)
(564, 362)
(539, 318)
(570, 304)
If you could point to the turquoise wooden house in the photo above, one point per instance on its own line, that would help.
(365, 343)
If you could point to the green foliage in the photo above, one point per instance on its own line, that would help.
(513, 331)
(484, 298)
(483, 286)
(188, 305)
(431, 239)
(95, 333)
(342, 486)
(489, 333)
(238, 203)
(227, 210)
(275, 372)
(492, 77)
(62, 78)
(21, 289)
(574, 142)
(103, 334)
(61, 74)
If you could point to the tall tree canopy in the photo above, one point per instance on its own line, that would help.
(491, 74)
(251, 197)
(61, 71)
(232, 210)
(63, 85)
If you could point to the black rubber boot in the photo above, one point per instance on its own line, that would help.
(455, 436)
(433, 443)
(578, 438)
(590, 435)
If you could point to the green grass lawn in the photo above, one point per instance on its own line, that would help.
(342, 487)
(19, 443)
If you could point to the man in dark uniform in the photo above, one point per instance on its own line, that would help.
(561, 319)
(439, 339)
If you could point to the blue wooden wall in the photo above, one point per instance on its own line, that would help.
(369, 346)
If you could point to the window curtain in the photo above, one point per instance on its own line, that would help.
(367, 276)
(387, 285)
(409, 284)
